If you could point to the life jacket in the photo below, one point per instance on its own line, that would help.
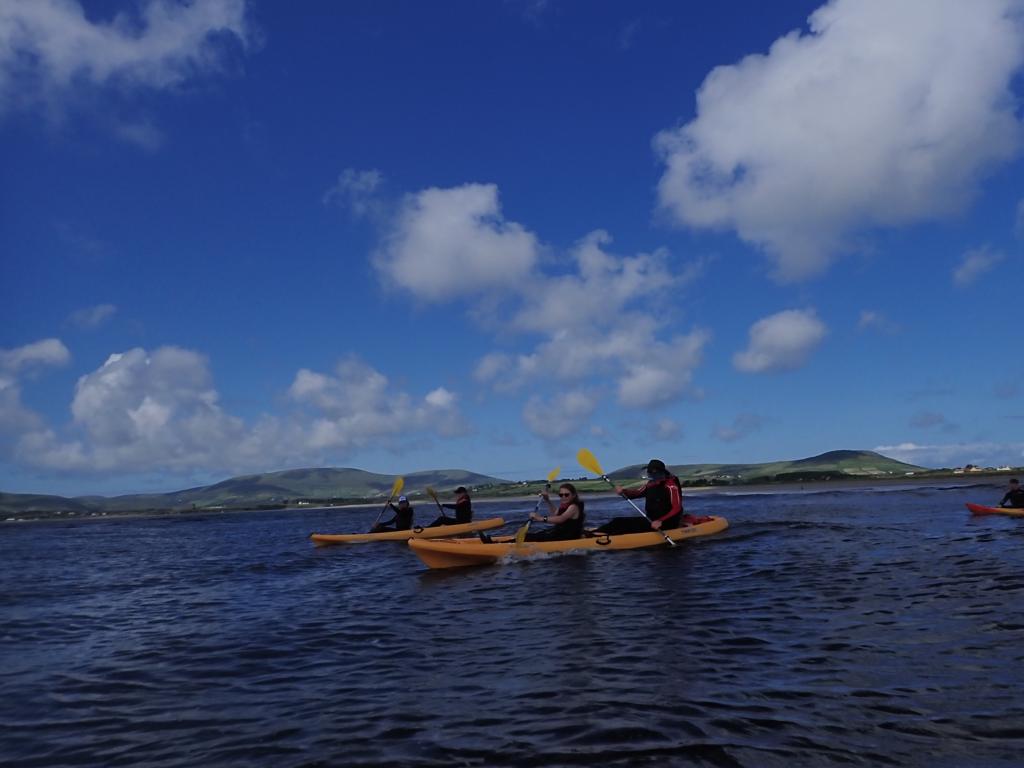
(659, 501)
(570, 529)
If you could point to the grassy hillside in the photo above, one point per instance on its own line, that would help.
(285, 488)
(834, 464)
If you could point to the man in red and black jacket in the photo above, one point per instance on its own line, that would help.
(663, 503)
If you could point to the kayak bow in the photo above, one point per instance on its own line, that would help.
(456, 553)
(978, 509)
(440, 531)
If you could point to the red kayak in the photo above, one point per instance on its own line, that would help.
(978, 509)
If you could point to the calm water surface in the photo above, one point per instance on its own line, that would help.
(839, 628)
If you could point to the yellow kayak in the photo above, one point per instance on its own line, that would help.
(455, 553)
(324, 539)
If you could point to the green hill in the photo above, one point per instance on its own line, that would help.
(830, 465)
(272, 489)
(326, 485)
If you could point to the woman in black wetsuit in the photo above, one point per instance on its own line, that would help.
(567, 519)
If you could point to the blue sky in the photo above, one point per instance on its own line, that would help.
(237, 237)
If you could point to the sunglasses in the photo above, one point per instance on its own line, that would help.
(567, 495)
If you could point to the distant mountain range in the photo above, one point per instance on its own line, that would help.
(290, 487)
(297, 487)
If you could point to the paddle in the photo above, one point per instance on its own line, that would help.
(433, 494)
(588, 461)
(395, 490)
(521, 533)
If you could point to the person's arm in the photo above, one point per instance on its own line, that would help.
(1002, 502)
(631, 493)
(551, 508)
(446, 505)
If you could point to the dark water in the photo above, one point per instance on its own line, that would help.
(842, 628)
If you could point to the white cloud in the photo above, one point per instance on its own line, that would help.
(742, 425)
(448, 243)
(600, 320)
(49, 50)
(882, 115)
(782, 341)
(986, 454)
(974, 264)
(561, 416)
(15, 417)
(873, 320)
(45, 352)
(357, 191)
(358, 405)
(598, 315)
(159, 411)
(93, 317)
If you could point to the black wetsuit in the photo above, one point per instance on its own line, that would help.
(463, 513)
(402, 521)
(568, 529)
(1014, 499)
(663, 500)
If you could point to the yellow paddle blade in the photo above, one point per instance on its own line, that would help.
(521, 533)
(553, 474)
(431, 492)
(398, 486)
(589, 462)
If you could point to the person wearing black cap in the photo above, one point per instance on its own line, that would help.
(663, 503)
(402, 520)
(463, 507)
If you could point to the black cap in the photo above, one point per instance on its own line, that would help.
(656, 466)
(461, 489)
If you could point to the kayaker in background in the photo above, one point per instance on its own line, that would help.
(1014, 496)
(663, 503)
(567, 519)
(463, 507)
(402, 521)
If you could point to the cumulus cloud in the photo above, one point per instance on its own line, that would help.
(138, 411)
(560, 416)
(49, 49)
(597, 314)
(882, 114)
(357, 405)
(780, 342)
(39, 353)
(448, 243)
(742, 425)
(92, 317)
(974, 264)
(15, 417)
(600, 320)
(159, 411)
